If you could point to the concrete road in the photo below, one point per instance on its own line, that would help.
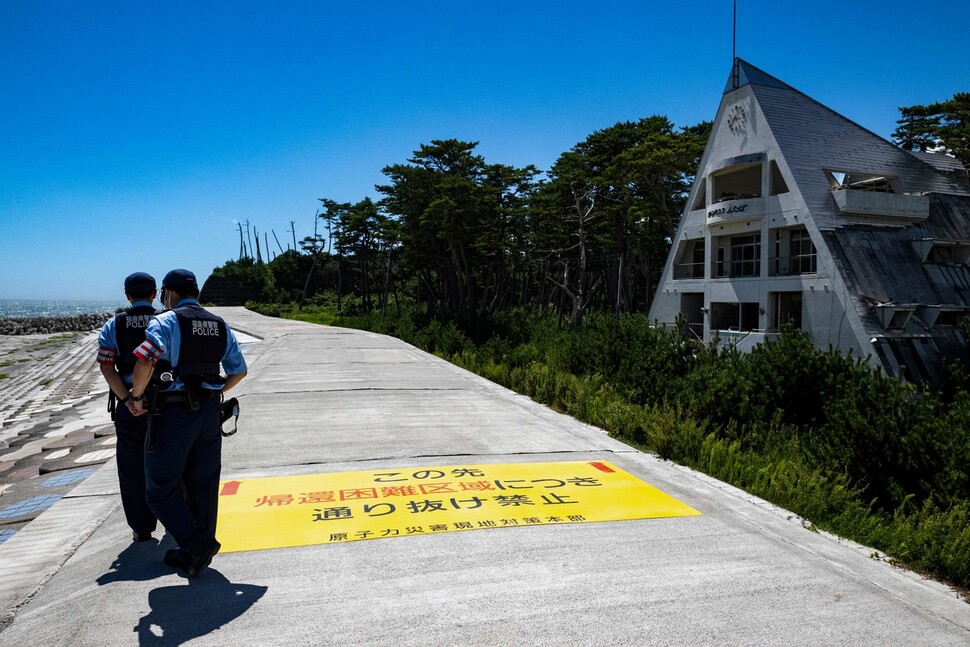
(326, 400)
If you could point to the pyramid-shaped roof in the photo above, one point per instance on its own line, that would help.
(744, 73)
(813, 138)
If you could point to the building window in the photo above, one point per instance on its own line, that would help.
(802, 252)
(692, 310)
(746, 255)
(862, 181)
(737, 182)
(949, 253)
(720, 268)
(785, 308)
(735, 316)
(691, 265)
(793, 253)
(899, 319)
(950, 318)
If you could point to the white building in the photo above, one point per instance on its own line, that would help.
(800, 215)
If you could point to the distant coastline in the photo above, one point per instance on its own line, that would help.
(50, 325)
(20, 308)
(40, 317)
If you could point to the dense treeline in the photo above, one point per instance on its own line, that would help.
(943, 126)
(467, 238)
(869, 457)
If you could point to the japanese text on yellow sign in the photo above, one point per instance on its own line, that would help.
(276, 512)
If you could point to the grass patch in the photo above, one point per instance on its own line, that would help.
(59, 339)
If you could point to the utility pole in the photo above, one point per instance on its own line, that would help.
(293, 231)
(277, 240)
(242, 242)
(314, 250)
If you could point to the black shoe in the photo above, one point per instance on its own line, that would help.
(178, 558)
(200, 563)
(141, 536)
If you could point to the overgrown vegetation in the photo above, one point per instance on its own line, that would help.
(869, 458)
(540, 282)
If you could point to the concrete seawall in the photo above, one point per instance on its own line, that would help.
(323, 402)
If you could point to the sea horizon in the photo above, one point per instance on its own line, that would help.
(57, 307)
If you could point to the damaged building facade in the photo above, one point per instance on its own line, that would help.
(798, 215)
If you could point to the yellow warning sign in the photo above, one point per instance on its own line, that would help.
(277, 512)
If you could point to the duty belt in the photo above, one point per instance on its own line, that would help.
(158, 401)
(181, 397)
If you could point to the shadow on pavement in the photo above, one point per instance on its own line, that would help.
(185, 611)
(180, 613)
(139, 562)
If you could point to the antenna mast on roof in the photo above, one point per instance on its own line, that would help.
(734, 46)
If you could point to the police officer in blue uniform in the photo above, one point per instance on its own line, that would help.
(185, 346)
(118, 339)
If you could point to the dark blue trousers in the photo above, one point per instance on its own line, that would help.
(182, 473)
(131, 469)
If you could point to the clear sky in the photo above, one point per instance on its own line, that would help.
(134, 136)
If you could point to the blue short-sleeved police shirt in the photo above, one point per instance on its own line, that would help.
(163, 339)
(108, 340)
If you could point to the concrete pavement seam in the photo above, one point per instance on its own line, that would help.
(375, 459)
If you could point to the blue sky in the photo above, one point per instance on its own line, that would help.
(135, 135)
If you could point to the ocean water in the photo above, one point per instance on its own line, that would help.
(57, 308)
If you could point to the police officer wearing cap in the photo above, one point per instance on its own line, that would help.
(118, 339)
(183, 456)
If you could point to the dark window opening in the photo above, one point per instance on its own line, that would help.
(899, 319)
(862, 181)
(692, 310)
(737, 317)
(786, 308)
(720, 266)
(737, 183)
(691, 265)
(950, 318)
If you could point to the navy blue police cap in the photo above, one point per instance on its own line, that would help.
(139, 282)
(179, 278)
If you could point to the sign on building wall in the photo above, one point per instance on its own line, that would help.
(277, 512)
